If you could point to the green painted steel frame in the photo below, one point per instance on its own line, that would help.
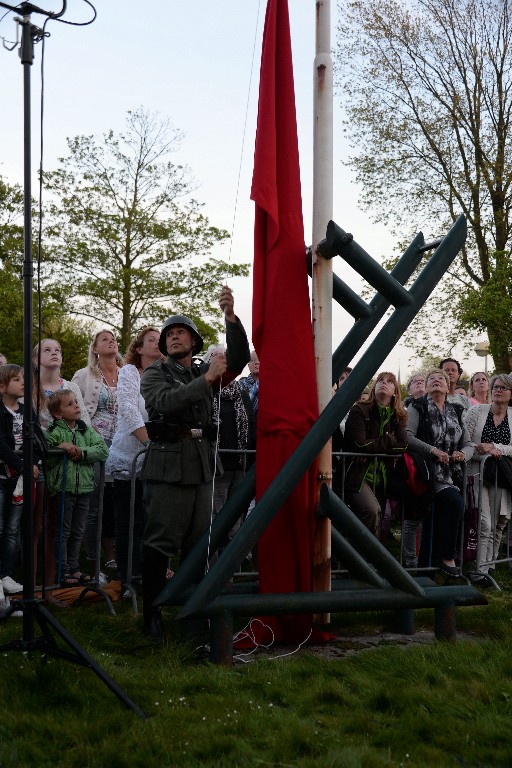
(388, 585)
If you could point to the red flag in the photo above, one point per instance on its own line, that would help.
(282, 333)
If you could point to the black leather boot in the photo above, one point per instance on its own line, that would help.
(153, 581)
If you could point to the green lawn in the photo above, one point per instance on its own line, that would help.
(435, 704)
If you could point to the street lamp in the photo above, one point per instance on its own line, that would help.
(482, 350)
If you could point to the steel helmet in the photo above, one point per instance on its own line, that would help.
(180, 320)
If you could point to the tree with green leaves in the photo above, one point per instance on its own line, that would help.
(53, 320)
(11, 284)
(427, 88)
(125, 230)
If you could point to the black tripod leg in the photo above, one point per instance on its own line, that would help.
(47, 644)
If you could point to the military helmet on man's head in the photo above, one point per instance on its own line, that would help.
(180, 320)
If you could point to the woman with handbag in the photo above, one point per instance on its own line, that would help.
(490, 429)
(435, 427)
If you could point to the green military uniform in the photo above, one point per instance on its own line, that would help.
(179, 467)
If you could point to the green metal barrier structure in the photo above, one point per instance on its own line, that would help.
(382, 582)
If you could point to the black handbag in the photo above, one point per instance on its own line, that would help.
(498, 472)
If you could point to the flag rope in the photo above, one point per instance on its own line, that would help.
(228, 270)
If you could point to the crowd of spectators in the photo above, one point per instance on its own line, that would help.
(446, 429)
(182, 427)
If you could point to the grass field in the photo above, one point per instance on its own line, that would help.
(415, 705)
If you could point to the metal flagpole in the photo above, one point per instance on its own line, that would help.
(322, 273)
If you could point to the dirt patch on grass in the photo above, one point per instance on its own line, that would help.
(343, 646)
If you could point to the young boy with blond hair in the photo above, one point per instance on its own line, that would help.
(71, 477)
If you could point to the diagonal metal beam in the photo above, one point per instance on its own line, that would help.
(353, 561)
(366, 543)
(282, 486)
(337, 241)
(344, 295)
(362, 329)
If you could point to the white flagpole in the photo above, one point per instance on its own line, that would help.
(322, 270)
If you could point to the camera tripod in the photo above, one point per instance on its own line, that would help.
(33, 609)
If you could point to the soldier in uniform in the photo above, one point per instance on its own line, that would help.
(180, 461)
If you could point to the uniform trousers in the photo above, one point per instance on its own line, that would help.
(178, 515)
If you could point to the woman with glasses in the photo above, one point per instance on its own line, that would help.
(490, 429)
(435, 428)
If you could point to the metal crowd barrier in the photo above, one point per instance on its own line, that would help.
(424, 568)
(494, 519)
(127, 585)
(94, 585)
(342, 458)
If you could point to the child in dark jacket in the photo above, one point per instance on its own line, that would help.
(70, 479)
(11, 467)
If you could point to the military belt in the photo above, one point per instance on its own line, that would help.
(193, 434)
(162, 431)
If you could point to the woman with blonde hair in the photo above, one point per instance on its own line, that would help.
(376, 425)
(98, 384)
(47, 362)
(479, 389)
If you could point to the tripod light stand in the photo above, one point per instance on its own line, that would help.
(33, 609)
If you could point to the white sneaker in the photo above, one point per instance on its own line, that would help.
(102, 579)
(11, 587)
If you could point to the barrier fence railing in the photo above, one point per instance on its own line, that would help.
(491, 526)
(498, 524)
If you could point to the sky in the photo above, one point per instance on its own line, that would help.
(196, 62)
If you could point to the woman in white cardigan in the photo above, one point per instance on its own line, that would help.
(490, 429)
(129, 439)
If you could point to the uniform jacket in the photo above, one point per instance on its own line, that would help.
(362, 435)
(79, 474)
(181, 396)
